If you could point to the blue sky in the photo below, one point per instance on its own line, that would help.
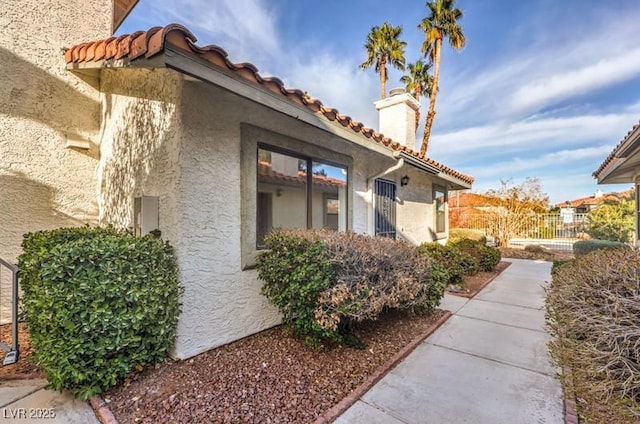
(543, 88)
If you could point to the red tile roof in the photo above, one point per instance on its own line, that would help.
(266, 173)
(146, 44)
(593, 200)
(615, 151)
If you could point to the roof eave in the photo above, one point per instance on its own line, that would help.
(178, 59)
(454, 183)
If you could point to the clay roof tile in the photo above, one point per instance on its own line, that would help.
(153, 41)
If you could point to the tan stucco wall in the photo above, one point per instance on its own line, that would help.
(44, 185)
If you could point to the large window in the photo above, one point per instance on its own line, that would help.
(440, 203)
(298, 192)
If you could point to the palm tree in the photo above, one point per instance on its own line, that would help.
(384, 47)
(418, 82)
(441, 23)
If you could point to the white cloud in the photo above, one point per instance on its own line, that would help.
(540, 75)
(338, 83)
(554, 88)
(535, 135)
(566, 158)
(247, 29)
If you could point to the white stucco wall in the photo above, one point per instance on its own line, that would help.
(139, 146)
(185, 144)
(44, 185)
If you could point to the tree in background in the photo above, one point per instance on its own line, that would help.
(418, 82)
(384, 47)
(514, 208)
(441, 23)
(612, 221)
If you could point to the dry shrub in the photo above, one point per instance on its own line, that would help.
(593, 310)
(324, 281)
(372, 274)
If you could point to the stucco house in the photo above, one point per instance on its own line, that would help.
(589, 203)
(622, 166)
(151, 130)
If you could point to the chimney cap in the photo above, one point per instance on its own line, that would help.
(397, 91)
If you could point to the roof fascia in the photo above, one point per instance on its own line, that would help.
(455, 183)
(181, 61)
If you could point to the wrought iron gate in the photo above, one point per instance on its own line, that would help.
(9, 308)
(385, 208)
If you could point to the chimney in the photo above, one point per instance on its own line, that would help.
(598, 194)
(398, 117)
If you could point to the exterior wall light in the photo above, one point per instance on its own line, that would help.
(404, 180)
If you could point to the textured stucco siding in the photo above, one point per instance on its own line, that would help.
(44, 185)
(139, 146)
(222, 302)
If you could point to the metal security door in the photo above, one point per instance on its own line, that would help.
(385, 210)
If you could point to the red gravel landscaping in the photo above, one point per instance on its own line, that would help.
(270, 377)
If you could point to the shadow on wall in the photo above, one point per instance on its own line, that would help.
(27, 206)
(30, 92)
(138, 155)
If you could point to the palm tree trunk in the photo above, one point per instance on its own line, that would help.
(383, 78)
(418, 93)
(432, 102)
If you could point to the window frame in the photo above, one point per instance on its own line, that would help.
(435, 188)
(251, 138)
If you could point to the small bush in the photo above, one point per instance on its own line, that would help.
(323, 282)
(582, 247)
(487, 257)
(593, 313)
(452, 261)
(535, 248)
(612, 221)
(557, 264)
(98, 304)
(468, 233)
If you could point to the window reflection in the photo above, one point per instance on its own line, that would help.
(283, 197)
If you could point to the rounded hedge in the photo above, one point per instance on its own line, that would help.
(98, 304)
(454, 263)
(582, 247)
(468, 233)
(487, 257)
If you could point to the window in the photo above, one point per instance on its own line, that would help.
(289, 196)
(440, 203)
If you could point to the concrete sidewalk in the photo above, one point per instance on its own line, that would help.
(27, 401)
(487, 364)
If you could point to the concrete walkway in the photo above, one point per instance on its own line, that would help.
(27, 401)
(487, 364)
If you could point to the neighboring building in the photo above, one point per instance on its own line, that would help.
(622, 166)
(162, 133)
(587, 204)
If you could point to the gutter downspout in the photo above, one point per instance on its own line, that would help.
(371, 197)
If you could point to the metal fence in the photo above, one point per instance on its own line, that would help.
(554, 231)
(9, 309)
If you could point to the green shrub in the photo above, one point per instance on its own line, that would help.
(487, 257)
(593, 314)
(582, 247)
(97, 303)
(468, 233)
(557, 264)
(612, 221)
(323, 282)
(452, 261)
